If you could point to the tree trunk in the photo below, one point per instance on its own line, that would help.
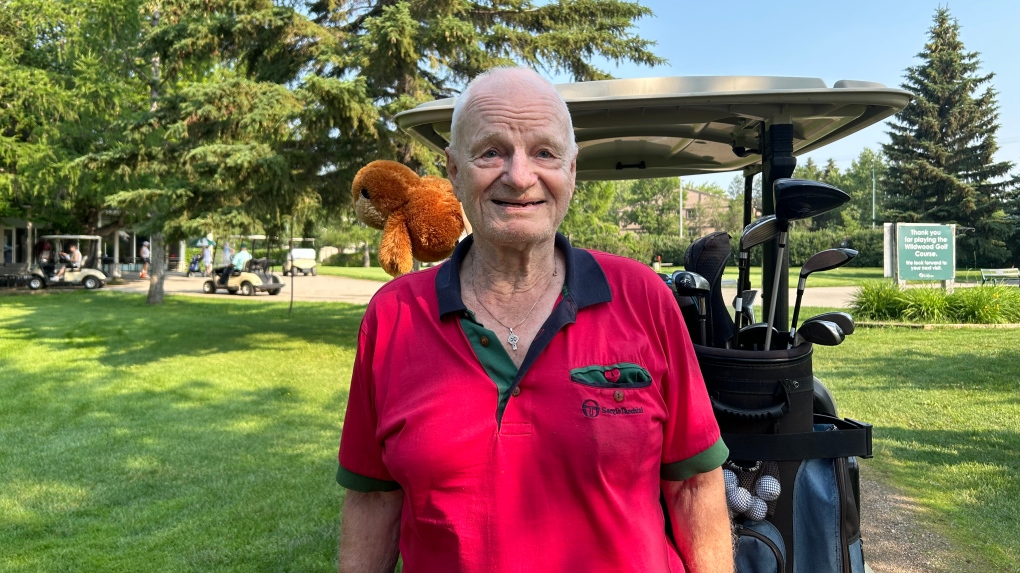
(366, 256)
(115, 268)
(157, 274)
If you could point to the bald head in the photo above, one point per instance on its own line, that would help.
(516, 84)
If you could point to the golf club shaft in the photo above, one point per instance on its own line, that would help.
(796, 309)
(775, 288)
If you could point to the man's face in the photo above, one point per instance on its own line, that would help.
(513, 169)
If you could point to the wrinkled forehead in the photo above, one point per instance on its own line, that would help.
(511, 102)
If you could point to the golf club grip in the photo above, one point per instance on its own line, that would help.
(771, 413)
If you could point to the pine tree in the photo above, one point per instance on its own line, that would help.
(941, 165)
(262, 111)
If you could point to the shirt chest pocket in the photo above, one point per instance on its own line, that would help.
(622, 376)
(619, 410)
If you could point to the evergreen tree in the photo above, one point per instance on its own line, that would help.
(259, 111)
(941, 165)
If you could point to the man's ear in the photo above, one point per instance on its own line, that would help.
(452, 170)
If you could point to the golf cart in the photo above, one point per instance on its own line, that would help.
(47, 263)
(300, 260)
(254, 277)
(777, 420)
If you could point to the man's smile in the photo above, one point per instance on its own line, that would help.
(517, 203)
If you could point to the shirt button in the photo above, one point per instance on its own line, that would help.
(485, 341)
(618, 395)
(516, 392)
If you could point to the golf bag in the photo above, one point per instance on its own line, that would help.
(792, 477)
(195, 265)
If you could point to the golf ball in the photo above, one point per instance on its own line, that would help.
(767, 488)
(730, 479)
(739, 500)
(758, 509)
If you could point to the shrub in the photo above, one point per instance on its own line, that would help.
(986, 305)
(882, 301)
(925, 304)
(975, 305)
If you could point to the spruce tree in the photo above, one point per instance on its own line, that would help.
(260, 111)
(941, 165)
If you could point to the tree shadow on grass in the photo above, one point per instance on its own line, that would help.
(193, 436)
(201, 476)
(123, 331)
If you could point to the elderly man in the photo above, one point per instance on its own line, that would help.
(523, 406)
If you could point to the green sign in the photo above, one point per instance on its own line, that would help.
(926, 252)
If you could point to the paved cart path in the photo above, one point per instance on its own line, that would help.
(324, 288)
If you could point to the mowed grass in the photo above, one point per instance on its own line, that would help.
(199, 435)
(365, 273)
(945, 405)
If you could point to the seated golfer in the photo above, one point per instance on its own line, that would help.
(242, 257)
(521, 407)
(72, 259)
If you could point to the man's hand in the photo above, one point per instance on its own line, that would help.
(370, 531)
(701, 523)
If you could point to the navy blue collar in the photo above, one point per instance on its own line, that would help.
(585, 284)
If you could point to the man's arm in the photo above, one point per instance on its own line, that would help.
(370, 531)
(701, 523)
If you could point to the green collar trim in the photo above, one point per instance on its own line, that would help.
(494, 358)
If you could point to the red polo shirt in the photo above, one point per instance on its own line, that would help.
(553, 467)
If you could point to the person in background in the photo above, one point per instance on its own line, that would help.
(238, 262)
(600, 405)
(207, 258)
(228, 254)
(72, 259)
(145, 254)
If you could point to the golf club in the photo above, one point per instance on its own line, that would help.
(692, 284)
(844, 321)
(797, 199)
(752, 337)
(754, 234)
(820, 332)
(821, 261)
(746, 306)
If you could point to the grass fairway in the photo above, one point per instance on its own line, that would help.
(195, 436)
(946, 411)
(366, 273)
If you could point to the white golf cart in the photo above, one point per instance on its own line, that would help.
(300, 259)
(47, 263)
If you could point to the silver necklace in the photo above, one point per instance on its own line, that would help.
(513, 339)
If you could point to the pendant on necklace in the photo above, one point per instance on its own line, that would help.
(513, 339)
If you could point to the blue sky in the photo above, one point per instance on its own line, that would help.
(832, 40)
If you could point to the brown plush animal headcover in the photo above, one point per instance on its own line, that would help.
(420, 217)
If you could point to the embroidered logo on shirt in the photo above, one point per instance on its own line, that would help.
(591, 409)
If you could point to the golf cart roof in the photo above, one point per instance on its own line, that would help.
(73, 237)
(669, 126)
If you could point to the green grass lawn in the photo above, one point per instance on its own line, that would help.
(201, 435)
(946, 412)
(367, 273)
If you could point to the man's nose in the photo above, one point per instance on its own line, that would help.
(519, 172)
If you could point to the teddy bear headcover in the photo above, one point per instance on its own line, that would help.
(420, 217)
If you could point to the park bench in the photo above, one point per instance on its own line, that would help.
(1000, 276)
